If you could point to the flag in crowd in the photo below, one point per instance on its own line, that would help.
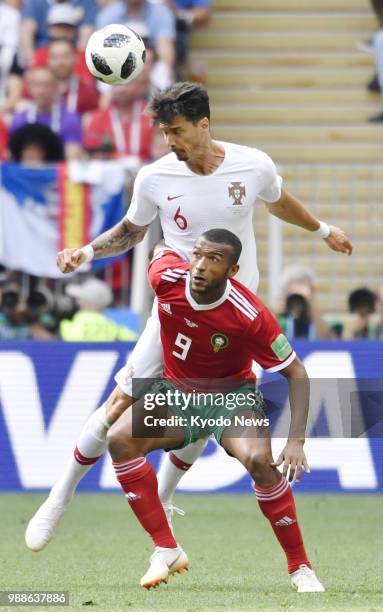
(43, 210)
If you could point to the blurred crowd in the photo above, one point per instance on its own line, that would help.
(82, 313)
(52, 109)
(299, 316)
(44, 80)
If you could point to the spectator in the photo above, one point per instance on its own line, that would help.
(89, 324)
(19, 320)
(370, 46)
(34, 26)
(296, 310)
(122, 126)
(158, 19)
(3, 139)
(35, 144)
(378, 50)
(361, 304)
(189, 14)
(10, 19)
(44, 108)
(379, 311)
(63, 22)
(75, 94)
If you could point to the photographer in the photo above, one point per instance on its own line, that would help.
(23, 318)
(361, 304)
(296, 310)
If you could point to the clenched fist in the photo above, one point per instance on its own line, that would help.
(69, 260)
(338, 240)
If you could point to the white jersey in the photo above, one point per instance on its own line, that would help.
(190, 204)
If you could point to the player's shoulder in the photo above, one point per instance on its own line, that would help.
(245, 301)
(167, 273)
(169, 265)
(242, 153)
(169, 256)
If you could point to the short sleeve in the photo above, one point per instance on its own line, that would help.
(271, 182)
(142, 209)
(268, 345)
(165, 269)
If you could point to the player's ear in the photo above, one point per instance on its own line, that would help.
(205, 124)
(233, 270)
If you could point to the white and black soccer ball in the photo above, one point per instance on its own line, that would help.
(115, 54)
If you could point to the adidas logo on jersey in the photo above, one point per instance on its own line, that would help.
(132, 496)
(166, 308)
(190, 323)
(285, 522)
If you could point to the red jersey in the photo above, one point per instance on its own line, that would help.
(218, 340)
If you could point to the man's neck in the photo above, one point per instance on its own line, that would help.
(63, 85)
(208, 298)
(207, 159)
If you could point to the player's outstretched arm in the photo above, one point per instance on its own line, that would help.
(115, 241)
(293, 457)
(291, 210)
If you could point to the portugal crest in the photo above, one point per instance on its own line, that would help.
(219, 341)
(237, 191)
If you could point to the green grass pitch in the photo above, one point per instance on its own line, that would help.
(100, 552)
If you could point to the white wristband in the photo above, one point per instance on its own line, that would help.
(88, 252)
(323, 230)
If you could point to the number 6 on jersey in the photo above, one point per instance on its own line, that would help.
(180, 219)
(184, 343)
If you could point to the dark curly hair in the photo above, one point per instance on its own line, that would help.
(40, 135)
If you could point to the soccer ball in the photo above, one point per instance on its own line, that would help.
(115, 54)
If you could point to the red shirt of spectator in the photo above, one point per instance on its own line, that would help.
(40, 58)
(123, 125)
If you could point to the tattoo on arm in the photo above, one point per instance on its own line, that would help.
(118, 239)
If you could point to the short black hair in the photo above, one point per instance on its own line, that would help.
(190, 100)
(36, 134)
(224, 236)
(362, 300)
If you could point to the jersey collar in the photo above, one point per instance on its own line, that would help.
(197, 306)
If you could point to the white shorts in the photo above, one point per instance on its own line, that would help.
(146, 360)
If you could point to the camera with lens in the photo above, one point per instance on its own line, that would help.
(298, 315)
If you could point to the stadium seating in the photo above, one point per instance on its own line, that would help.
(285, 76)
